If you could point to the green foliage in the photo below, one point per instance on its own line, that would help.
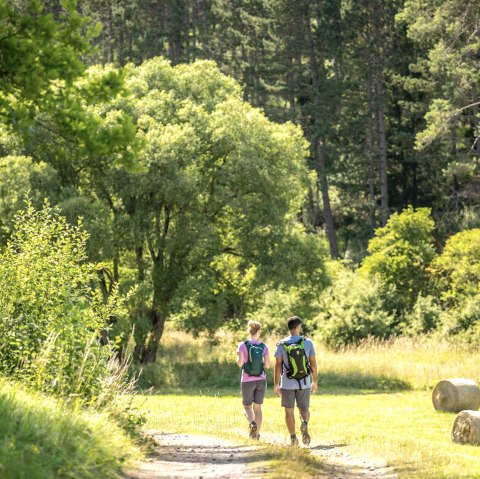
(424, 317)
(51, 317)
(20, 176)
(462, 322)
(212, 208)
(97, 220)
(353, 309)
(457, 269)
(446, 31)
(42, 438)
(38, 53)
(401, 252)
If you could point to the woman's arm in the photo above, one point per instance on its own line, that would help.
(266, 360)
(240, 359)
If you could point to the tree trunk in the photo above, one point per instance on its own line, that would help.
(327, 209)
(149, 354)
(476, 121)
(121, 42)
(370, 159)
(382, 146)
(321, 164)
(110, 36)
(157, 313)
(186, 20)
(140, 263)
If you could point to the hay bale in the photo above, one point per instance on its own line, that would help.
(455, 395)
(466, 428)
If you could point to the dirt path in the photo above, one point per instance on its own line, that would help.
(196, 456)
(205, 457)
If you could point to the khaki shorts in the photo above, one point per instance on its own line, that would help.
(253, 392)
(300, 396)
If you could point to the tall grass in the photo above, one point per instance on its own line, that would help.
(415, 363)
(396, 364)
(42, 438)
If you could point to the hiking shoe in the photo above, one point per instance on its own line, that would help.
(294, 441)
(305, 435)
(253, 430)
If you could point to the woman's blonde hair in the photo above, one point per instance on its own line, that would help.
(253, 327)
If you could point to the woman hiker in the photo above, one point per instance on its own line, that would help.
(253, 358)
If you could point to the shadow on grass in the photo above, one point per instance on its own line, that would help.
(333, 380)
(220, 375)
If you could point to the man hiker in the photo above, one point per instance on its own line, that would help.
(253, 357)
(295, 376)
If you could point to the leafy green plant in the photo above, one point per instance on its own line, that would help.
(352, 309)
(457, 270)
(424, 316)
(401, 252)
(51, 315)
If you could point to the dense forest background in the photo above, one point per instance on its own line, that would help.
(249, 158)
(385, 92)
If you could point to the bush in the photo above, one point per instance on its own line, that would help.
(463, 322)
(401, 252)
(457, 270)
(424, 316)
(276, 306)
(51, 316)
(353, 309)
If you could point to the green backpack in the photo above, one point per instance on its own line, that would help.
(254, 364)
(297, 367)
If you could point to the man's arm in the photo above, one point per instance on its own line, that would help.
(276, 375)
(313, 366)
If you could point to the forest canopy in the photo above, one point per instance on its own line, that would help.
(255, 158)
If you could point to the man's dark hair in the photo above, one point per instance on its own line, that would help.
(293, 322)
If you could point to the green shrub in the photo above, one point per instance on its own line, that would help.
(457, 270)
(276, 306)
(462, 322)
(401, 252)
(51, 315)
(424, 316)
(352, 309)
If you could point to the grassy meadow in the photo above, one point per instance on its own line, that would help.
(373, 401)
(42, 437)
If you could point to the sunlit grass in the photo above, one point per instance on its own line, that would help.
(418, 363)
(43, 438)
(401, 428)
(374, 399)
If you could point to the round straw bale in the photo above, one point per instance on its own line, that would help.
(466, 428)
(455, 395)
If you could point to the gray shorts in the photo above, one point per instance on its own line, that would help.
(301, 396)
(253, 392)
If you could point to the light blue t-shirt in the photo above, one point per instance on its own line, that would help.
(287, 383)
